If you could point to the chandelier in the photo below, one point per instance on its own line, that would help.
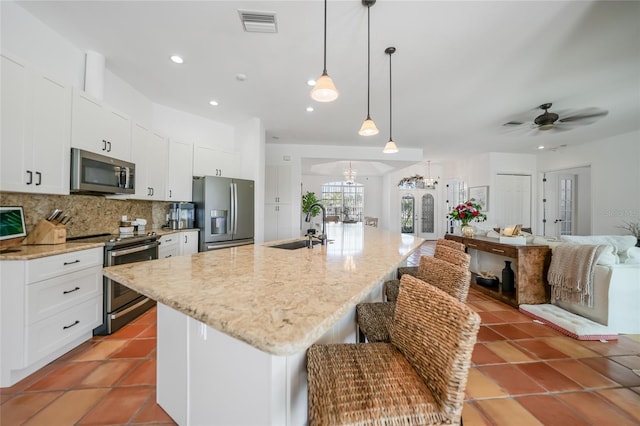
(429, 182)
(350, 175)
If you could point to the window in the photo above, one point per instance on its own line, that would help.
(344, 200)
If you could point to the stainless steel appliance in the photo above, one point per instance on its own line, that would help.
(224, 211)
(181, 215)
(121, 304)
(98, 174)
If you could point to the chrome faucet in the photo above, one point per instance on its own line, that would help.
(323, 236)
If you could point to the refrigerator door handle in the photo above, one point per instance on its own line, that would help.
(235, 208)
(231, 210)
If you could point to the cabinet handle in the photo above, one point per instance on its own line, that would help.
(153, 191)
(71, 263)
(109, 145)
(169, 193)
(30, 173)
(471, 245)
(497, 250)
(39, 178)
(71, 291)
(76, 322)
(168, 240)
(185, 239)
(104, 145)
(168, 256)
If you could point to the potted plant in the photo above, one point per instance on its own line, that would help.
(634, 229)
(308, 199)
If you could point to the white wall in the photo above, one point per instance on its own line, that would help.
(615, 178)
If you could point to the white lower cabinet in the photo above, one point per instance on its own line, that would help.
(178, 243)
(169, 245)
(188, 242)
(278, 222)
(48, 306)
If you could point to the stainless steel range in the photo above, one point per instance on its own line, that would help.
(121, 304)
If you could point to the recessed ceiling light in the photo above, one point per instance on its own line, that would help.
(311, 82)
(177, 59)
(241, 77)
(309, 109)
(541, 147)
(214, 103)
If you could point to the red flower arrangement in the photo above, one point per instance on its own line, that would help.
(468, 211)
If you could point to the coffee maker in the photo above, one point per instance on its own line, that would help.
(181, 215)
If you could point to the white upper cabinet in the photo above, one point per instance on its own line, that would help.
(180, 176)
(99, 128)
(34, 148)
(149, 152)
(277, 184)
(209, 161)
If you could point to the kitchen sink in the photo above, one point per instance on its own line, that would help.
(293, 245)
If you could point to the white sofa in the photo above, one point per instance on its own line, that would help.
(616, 282)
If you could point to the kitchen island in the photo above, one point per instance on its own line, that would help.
(234, 324)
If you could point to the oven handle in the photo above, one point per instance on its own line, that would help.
(129, 309)
(116, 253)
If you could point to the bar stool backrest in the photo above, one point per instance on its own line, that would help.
(452, 279)
(442, 359)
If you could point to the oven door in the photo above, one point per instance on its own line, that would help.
(118, 295)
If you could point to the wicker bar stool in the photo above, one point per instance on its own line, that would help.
(417, 378)
(373, 320)
(444, 252)
(412, 270)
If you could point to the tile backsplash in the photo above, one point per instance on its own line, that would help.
(89, 214)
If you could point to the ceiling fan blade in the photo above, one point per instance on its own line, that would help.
(514, 123)
(585, 114)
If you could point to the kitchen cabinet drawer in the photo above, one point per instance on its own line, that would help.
(48, 297)
(53, 266)
(50, 334)
(169, 245)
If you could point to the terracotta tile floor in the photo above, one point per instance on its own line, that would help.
(523, 373)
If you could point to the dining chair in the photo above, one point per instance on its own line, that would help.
(419, 377)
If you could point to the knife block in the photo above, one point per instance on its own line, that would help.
(46, 232)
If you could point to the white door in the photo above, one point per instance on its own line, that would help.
(565, 215)
(512, 200)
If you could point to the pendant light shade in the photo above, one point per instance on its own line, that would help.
(368, 127)
(324, 90)
(390, 147)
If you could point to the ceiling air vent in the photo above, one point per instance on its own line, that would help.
(258, 22)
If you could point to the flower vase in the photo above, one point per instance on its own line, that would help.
(467, 231)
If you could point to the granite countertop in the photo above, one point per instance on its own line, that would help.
(31, 252)
(279, 301)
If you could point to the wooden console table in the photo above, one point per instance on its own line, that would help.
(532, 265)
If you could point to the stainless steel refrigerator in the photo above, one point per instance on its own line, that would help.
(224, 211)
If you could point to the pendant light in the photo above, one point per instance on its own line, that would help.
(368, 127)
(390, 147)
(324, 90)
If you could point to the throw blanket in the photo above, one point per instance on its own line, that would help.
(571, 272)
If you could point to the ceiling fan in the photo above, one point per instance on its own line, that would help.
(564, 120)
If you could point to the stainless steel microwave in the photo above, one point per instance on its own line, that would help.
(98, 174)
